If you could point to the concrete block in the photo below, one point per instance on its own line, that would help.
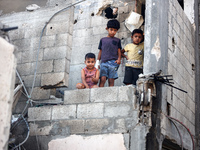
(77, 53)
(120, 126)
(94, 126)
(25, 69)
(117, 109)
(47, 41)
(55, 79)
(96, 21)
(22, 44)
(17, 34)
(76, 96)
(90, 110)
(60, 65)
(81, 24)
(39, 113)
(55, 52)
(63, 112)
(75, 75)
(63, 39)
(31, 55)
(39, 93)
(57, 28)
(126, 93)
(99, 30)
(40, 128)
(106, 94)
(28, 80)
(45, 66)
(75, 126)
(33, 30)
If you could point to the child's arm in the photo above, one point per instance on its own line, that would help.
(83, 78)
(98, 59)
(123, 55)
(96, 78)
(99, 55)
(118, 61)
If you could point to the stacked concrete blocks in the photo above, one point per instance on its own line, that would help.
(180, 61)
(113, 110)
(55, 50)
(89, 28)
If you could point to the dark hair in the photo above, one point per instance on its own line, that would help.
(90, 55)
(137, 31)
(113, 24)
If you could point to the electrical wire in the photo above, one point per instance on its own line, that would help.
(27, 136)
(35, 72)
(178, 131)
(22, 83)
(184, 127)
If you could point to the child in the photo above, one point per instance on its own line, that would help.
(89, 74)
(135, 56)
(109, 54)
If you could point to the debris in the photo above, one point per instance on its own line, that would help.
(32, 7)
(111, 13)
(134, 21)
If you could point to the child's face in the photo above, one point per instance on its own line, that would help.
(137, 38)
(90, 62)
(111, 32)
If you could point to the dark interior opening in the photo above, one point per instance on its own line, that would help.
(181, 2)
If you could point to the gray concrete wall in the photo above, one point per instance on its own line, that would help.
(170, 47)
(181, 64)
(91, 112)
(7, 79)
(54, 53)
(90, 29)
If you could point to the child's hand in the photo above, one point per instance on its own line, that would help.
(118, 62)
(126, 57)
(95, 80)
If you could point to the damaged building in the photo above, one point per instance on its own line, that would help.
(42, 53)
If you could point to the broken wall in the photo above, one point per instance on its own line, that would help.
(89, 28)
(52, 56)
(7, 79)
(170, 47)
(88, 115)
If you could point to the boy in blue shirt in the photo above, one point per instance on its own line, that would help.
(109, 54)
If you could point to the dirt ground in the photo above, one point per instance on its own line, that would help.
(9, 6)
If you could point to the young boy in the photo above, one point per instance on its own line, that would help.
(109, 54)
(135, 56)
(89, 74)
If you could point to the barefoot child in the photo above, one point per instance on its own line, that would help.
(89, 74)
(109, 54)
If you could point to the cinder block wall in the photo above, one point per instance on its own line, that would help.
(55, 50)
(65, 41)
(181, 64)
(89, 29)
(89, 112)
